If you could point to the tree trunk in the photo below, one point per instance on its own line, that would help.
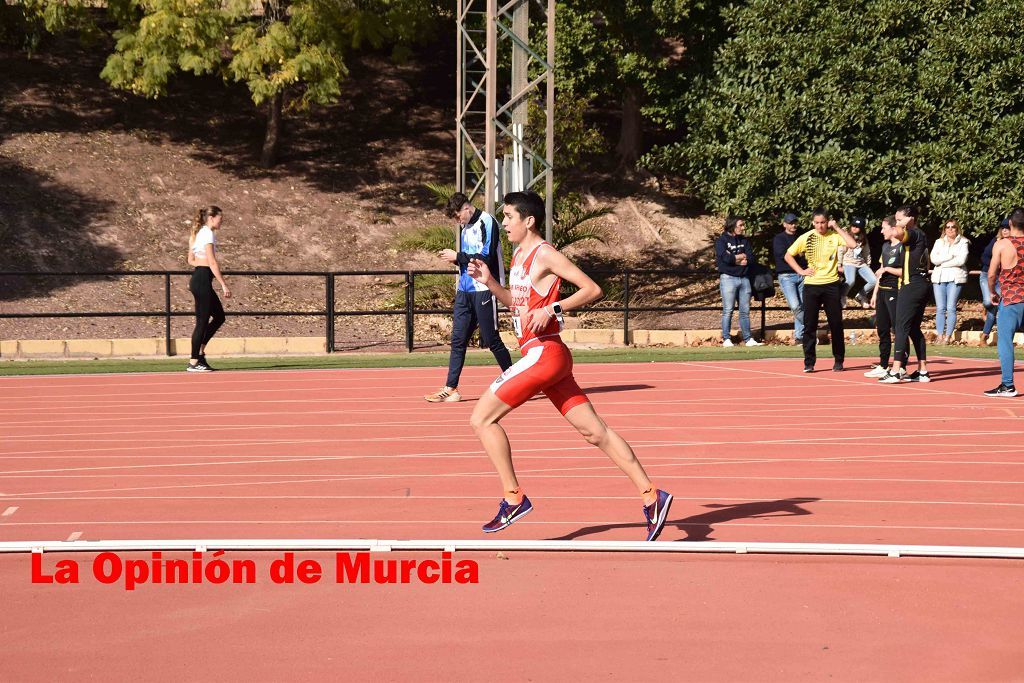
(272, 138)
(630, 135)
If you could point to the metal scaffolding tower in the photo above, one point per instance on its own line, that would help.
(505, 85)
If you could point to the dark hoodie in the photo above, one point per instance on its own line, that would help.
(727, 248)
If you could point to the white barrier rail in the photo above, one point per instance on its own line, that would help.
(493, 545)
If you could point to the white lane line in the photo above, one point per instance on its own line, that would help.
(9, 511)
(74, 535)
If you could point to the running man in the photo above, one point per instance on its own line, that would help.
(475, 308)
(822, 285)
(911, 300)
(1008, 265)
(535, 279)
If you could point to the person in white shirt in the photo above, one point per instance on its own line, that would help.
(202, 254)
(949, 256)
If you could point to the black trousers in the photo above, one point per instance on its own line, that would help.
(910, 303)
(209, 311)
(885, 317)
(474, 310)
(828, 297)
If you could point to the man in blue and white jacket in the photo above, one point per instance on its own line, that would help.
(475, 306)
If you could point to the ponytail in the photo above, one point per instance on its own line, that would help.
(205, 213)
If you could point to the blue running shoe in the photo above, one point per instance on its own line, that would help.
(656, 514)
(507, 514)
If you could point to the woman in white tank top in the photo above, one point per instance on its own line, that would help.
(202, 254)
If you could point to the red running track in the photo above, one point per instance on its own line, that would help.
(752, 451)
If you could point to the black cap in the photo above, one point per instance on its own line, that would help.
(1005, 223)
(859, 222)
(789, 218)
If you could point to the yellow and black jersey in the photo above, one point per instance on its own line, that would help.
(821, 253)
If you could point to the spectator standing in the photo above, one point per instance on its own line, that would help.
(986, 293)
(790, 281)
(475, 306)
(949, 256)
(1008, 266)
(734, 256)
(887, 285)
(911, 301)
(822, 288)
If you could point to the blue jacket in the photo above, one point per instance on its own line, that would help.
(480, 238)
(727, 248)
(986, 256)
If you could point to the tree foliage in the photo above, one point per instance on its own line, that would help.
(288, 53)
(860, 105)
(633, 51)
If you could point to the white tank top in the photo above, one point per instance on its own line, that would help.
(203, 237)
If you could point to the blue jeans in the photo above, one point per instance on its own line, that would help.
(734, 288)
(851, 273)
(986, 301)
(792, 286)
(1008, 321)
(946, 295)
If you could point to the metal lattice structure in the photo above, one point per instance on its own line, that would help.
(501, 78)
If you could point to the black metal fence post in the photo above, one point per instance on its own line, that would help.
(410, 305)
(167, 313)
(625, 309)
(329, 295)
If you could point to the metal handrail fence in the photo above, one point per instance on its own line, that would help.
(330, 314)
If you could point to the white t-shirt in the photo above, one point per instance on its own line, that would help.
(203, 237)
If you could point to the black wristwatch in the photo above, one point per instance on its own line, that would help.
(556, 308)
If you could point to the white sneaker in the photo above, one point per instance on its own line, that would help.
(728, 342)
(892, 378)
(444, 395)
(876, 371)
(752, 342)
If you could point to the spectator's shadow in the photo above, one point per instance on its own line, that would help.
(981, 371)
(699, 527)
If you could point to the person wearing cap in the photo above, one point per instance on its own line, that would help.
(857, 261)
(790, 282)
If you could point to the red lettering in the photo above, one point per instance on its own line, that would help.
(349, 571)
(67, 571)
(467, 571)
(136, 572)
(424, 569)
(107, 567)
(309, 571)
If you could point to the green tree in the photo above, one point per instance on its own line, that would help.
(636, 51)
(859, 105)
(290, 54)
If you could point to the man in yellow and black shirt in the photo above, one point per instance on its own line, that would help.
(822, 284)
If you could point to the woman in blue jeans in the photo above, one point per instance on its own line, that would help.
(948, 256)
(733, 256)
(857, 261)
(986, 294)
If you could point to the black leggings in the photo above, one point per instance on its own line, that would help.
(209, 311)
(885, 315)
(910, 303)
(817, 297)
